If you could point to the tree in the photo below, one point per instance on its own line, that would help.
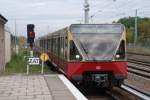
(143, 27)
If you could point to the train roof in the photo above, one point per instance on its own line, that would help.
(68, 28)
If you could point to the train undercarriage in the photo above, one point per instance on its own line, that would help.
(98, 79)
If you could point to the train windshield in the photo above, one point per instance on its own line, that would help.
(97, 42)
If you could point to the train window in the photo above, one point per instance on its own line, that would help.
(74, 53)
(121, 51)
(51, 45)
(40, 43)
(48, 44)
(54, 43)
(55, 46)
(59, 46)
(62, 47)
(44, 44)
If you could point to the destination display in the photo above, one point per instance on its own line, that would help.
(112, 28)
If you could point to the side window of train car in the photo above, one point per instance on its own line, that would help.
(74, 53)
(48, 45)
(59, 46)
(121, 51)
(51, 45)
(40, 43)
(44, 44)
(62, 47)
(46, 41)
(54, 45)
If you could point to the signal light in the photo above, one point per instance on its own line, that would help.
(31, 45)
(30, 34)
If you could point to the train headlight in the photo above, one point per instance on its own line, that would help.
(77, 56)
(117, 56)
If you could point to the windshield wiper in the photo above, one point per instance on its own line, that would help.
(85, 50)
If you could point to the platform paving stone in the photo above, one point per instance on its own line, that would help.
(58, 89)
(33, 87)
(22, 87)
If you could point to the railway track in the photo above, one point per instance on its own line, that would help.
(139, 93)
(101, 95)
(139, 71)
(125, 92)
(135, 66)
(132, 60)
(139, 66)
(109, 94)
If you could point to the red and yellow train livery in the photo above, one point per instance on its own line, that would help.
(89, 53)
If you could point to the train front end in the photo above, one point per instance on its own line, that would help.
(97, 54)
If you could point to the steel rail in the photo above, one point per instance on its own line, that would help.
(112, 96)
(139, 74)
(141, 94)
(139, 62)
(139, 68)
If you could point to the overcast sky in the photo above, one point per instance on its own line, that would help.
(50, 15)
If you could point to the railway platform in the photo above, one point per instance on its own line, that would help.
(38, 87)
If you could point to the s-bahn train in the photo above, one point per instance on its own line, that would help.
(93, 54)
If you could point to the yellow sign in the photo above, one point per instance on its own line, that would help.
(44, 57)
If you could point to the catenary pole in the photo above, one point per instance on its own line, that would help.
(135, 30)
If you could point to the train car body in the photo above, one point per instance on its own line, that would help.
(89, 53)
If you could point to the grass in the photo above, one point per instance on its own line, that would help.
(18, 64)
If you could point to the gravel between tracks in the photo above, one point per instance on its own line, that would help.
(138, 82)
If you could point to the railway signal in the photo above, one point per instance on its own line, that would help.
(30, 34)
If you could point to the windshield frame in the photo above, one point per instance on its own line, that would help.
(83, 53)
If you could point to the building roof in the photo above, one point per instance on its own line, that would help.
(3, 19)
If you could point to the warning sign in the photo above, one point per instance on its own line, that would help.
(44, 57)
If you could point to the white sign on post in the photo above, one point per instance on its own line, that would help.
(33, 61)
